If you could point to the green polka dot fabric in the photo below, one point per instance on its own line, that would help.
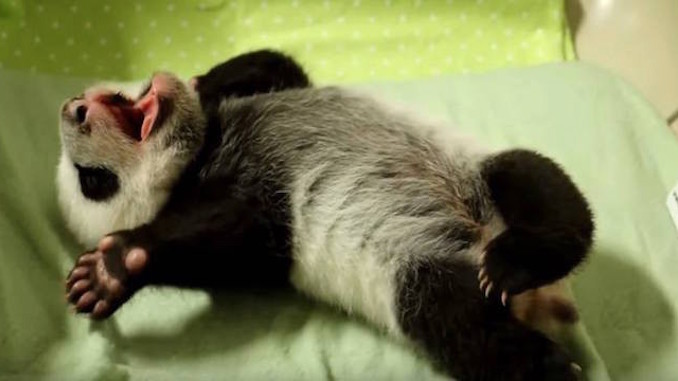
(338, 41)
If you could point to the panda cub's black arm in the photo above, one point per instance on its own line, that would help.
(213, 235)
(258, 72)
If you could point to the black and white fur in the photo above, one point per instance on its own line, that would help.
(352, 203)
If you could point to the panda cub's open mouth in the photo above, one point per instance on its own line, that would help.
(137, 119)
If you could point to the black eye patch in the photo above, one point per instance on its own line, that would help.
(97, 183)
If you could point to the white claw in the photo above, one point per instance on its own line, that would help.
(504, 297)
(576, 367)
(481, 273)
(488, 290)
(483, 283)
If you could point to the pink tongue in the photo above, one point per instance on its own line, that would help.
(149, 106)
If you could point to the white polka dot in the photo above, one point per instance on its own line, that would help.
(248, 21)
(121, 25)
(386, 32)
(37, 39)
(340, 74)
(417, 32)
(327, 4)
(168, 40)
(278, 20)
(494, 46)
(170, 7)
(372, 19)
(386, 62)
(323, 62)
(463, 16)
(84, 56)
(308, 47)
(324, 34)
(52, 57)
(494, 16)
(508, 32)
(417, 3)
(448, 60)
(3, 35)
(55, 25)
(137, 7)
(107, 8)
(183, 23)
(231, 39)
(463, 46)
(479, 32)
(199, 39)
(33, 68)
(373, 73)
(150, 54)
(165, 65)
(264, 4)
(66, 69)
(480, 59)
(540, 31)
(135, 40)
(447, 32)
(403, 18)
(356, 3)
(73, 8)
(88, 25)
(387, 3)
(103, 41)
(196, 66)
(372, 49)
(309, 20)
(509, 57)
(524, 45)
(233, 4)
(401, 47)
(22, 24)
(214, 53)
(70, 41)
(479, 2)
(432, 17)
(341, 19)
(417, 61)
(182, 54)
(431, 46)
(264, 36)
(40, 8)
(357, 35)
(295, 4)
(295, 34)
(153, 23)
(118, 56)
(202, 6)
(18, 53)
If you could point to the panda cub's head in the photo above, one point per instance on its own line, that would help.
(122, 153)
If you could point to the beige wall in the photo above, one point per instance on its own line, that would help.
(635, 38)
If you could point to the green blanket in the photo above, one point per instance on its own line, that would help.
(338, 40)
(614, 144)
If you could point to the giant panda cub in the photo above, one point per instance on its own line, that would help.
(249, 176)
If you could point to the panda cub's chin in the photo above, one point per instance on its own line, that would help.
(122, 152)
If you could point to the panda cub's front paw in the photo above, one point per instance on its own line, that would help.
(104, 278)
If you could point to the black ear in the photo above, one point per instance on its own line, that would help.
(258, 72)
(97, 184)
